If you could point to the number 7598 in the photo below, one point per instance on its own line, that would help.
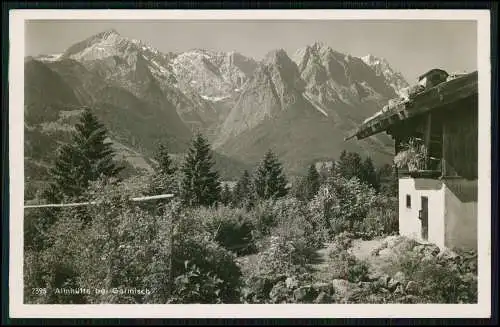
(39, 291)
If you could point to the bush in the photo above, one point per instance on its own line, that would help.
(263, 217)
(354, 199)
(381, 219)
(287, 216)
(294, 217)
(269, 288)
(344, 240)
(229, 227)
(281, 254)
(124, 247)
(357, 270)
(54, 266)
(215, 272)
(345, 265)
(195, 286)
(258, 286)
(342, 204)
(440, 280)
(37, 224)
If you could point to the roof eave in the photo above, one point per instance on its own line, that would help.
(436, 97)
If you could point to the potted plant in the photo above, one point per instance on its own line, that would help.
(413, 156)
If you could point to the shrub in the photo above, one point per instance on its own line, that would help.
(344, 240)
(229, 227)
(342, 204)
(381, 219)
(263, 217)
(37, 225)
(258, 286)
(354, 199)
(126, 247)
(292, 216)
(285, 252)
(357, 270)
(281, 254)
(54, 267)
(287, 216)
(194, 286)
(322, 208)
(203, 271)
(345, 265)
(440, 280)
(269, 288)
(209, 266)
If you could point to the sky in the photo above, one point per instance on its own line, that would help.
(411, 47)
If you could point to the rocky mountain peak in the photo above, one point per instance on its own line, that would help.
(215, 75)
(305, 102)
(370, 59)
(275, 56)
(318, 45)
(382, 68)
(109, 43)
(109, 36)
(111, 32)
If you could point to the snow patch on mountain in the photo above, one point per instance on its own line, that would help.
(382, 67)
(49, 57)
(215, 99)
(216, 73)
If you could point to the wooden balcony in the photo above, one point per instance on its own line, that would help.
(431, 169)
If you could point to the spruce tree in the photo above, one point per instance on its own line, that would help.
(86, 158)
(200, 184)
(312, 182)
(226, 195)
(165, 179)
(243, 193)
(270, 181)
(349, 165)
(307, 186)
(369, 175)
(388, 180)
(165, 164)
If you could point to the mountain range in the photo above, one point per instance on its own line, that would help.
(300, 106)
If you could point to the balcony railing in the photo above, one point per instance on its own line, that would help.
(430, 169)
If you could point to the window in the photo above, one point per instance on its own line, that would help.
(408, 201)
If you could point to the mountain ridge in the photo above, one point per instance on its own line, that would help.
(241, 104)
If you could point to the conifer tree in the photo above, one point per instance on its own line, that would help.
(312, 182)
(243, 194)
(165, 179)
(165, 164)
(388, 180)
(86, 158)
(226, 195)
(369, 175)
(200, 183)
(307, 186)
(349, 165)
(270, 181)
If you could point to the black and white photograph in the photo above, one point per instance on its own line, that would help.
(217, 160)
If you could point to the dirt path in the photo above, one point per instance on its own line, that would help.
(362, 249)
(320, 265)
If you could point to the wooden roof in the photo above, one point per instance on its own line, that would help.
(431, 99)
